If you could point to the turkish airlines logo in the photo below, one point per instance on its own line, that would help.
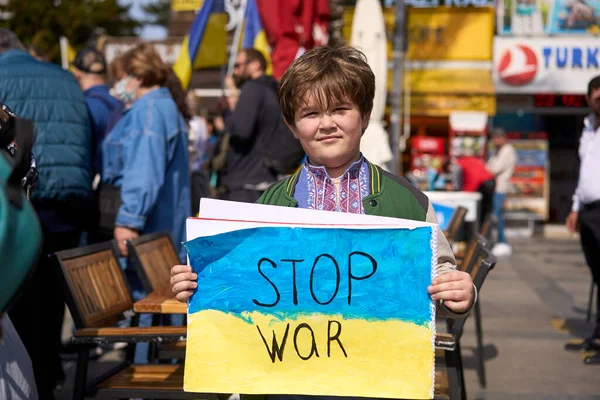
(518, 65)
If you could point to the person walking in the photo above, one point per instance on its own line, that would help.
(51, 98)
(585, 214)
(502, 165)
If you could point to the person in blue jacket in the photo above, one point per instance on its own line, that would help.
(146, 156)
(89, 67)
(51, 98)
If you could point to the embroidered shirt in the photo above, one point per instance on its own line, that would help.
(316, 190)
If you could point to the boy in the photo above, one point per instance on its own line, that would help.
(326, 98)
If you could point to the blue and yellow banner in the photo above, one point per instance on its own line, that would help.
(254, 34)
(206, 44)
(314, 311)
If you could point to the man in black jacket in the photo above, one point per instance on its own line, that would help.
(252, 118)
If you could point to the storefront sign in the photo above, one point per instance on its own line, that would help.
(449, 81)
(545, 65)
(559, 100)
(443, 105)
(168, 49)
(569, 17)
(548, 17)
(450, 3)
(186, 5)
(446, 33)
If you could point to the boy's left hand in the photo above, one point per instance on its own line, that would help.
(455, 288)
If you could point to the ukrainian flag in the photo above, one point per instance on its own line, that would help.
(254, 34)
(206, 44)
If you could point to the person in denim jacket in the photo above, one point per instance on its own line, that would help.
(146, 155)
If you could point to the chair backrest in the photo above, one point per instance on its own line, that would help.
(470, 257)
(456, 222)
(153, 256)
(488, 225)
(484, 263)
(96, 288)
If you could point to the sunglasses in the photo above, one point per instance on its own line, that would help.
(237, 65)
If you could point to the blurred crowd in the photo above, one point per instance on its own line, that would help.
(122, 150)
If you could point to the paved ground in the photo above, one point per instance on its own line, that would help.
(532, 303)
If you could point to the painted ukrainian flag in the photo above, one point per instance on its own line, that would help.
(315, 311)
(206, 43)
(254, 34)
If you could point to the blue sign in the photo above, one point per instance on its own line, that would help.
(443, 214)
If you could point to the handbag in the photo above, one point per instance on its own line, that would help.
(109, 202)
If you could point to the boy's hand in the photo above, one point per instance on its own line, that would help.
(183, 282)
(455, 288)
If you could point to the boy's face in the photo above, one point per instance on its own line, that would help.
(331, 138)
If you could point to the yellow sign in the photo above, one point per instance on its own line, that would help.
(186, 5)
(443, 105)
(442, 33)
(449, 81)
(448, 33)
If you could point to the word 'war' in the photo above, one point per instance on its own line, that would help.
(277, 348)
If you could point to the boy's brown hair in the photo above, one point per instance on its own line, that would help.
(329, 73)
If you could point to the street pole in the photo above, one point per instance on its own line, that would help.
(396, 94)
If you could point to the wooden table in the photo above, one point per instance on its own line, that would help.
(160, 302)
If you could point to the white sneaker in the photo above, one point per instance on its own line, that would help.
(502, 249)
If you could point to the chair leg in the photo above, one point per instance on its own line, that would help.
(479, 334)
(460, 373)
(453, 379)
(588, 315)
(130, 351)
(79, 386)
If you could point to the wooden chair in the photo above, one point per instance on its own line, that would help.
(153, 256)
(467, 264)
(450, 382)
(489, 223)
(98, 296)
(456, 222)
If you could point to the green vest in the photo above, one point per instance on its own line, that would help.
(391, 196)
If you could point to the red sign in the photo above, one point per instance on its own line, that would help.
(518, 65)
(560, 100)
(425, 144)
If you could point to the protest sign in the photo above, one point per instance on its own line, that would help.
(311, 309)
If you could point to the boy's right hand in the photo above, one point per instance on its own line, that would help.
(183, 282)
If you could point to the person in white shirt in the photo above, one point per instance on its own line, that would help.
(502, 165)
(585, 214)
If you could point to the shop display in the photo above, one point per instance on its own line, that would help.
(529, 186)
(428, 155)
(467, 134)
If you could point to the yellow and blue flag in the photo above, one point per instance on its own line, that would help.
(254, 34)
(206, 43)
